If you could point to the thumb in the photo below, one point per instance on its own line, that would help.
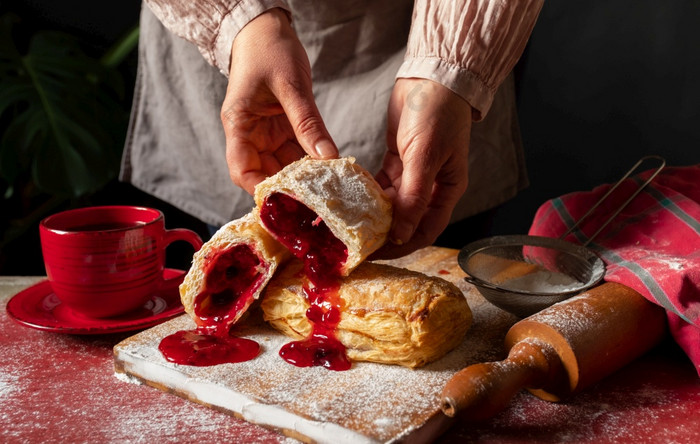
(306, 121)
(412, 199)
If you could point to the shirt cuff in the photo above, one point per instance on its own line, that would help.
(459, 80)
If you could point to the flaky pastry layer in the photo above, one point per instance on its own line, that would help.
(391, 315)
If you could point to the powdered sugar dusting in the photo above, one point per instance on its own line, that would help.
(612, 413)
(380, 402)
(8, 384)
(573, 316)
(61, 388)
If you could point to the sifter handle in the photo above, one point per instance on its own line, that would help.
(482, 390)
(662, 164)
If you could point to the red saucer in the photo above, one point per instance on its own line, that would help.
(38, 307)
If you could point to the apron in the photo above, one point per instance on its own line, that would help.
(175, 148)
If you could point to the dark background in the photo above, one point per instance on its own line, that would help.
(601, 84)
(98, 25)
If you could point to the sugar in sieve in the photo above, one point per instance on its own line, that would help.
(523, 274)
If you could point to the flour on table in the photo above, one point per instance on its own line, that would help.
(368, 403)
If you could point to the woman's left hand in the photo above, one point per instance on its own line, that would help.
(425, 169)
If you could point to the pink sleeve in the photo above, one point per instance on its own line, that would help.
(211, 24)
(469, 46)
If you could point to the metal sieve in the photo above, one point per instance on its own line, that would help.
(524, 274)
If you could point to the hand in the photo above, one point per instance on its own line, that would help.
(269, 115)
(425, 169)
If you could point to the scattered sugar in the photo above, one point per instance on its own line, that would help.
(378, 401)
(8, 384)
(46, 378)
(573, 316)
(354, 399)
(603, 415)
(542, 281)
(133, 413)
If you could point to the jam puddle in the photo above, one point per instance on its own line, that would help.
(201, 348)
(233, 275)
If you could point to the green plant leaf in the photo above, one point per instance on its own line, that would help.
(121, 49)
(63, 114)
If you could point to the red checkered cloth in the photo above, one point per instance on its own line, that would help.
(652, 246)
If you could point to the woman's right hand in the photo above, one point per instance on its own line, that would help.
(269, 115)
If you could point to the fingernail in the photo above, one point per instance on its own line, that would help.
(402, 232)
(325, 149)
(396, 241)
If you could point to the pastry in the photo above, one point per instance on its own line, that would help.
(229, 272)
(332, 214)
(388, 315)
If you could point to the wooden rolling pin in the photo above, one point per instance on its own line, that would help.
(559, 351)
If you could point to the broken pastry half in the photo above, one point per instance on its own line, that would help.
(331, 214)
(389, 315)
(229, 272)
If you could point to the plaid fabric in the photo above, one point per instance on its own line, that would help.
(652, 246)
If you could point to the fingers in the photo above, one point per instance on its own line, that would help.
(426, 167)
(297, 100)
(290, 83)
(424, 202)
(413, 195)
(245, 166)
(269, 114)
(432, 223)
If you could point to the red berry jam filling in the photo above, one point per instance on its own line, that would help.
(308, 237)
(232, 277)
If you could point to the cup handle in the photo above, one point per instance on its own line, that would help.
(182, 234)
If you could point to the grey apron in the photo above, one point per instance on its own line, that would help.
(175, 147)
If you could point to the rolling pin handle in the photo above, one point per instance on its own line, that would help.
(482, 390)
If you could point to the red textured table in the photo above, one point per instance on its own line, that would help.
(62, 388)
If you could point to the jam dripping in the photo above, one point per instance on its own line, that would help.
(308, 237)
(321, 348)
(233, 275)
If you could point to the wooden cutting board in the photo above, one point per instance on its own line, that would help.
(367, 404)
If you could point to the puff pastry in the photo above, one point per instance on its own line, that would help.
(389, 315)
(332, 211)
(229, 272)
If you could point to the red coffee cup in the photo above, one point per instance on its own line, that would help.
(108, 260)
